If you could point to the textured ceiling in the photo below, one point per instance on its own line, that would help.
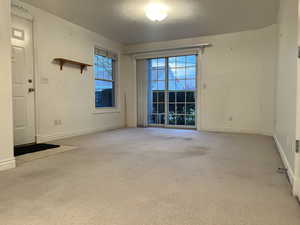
(124, 20)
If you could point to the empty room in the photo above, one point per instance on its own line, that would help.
(150, 112)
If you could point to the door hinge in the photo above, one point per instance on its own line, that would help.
(297, 146)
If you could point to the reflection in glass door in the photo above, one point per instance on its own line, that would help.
(173, 91)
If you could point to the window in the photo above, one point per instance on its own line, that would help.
(158, 86)
(104, 72)
(173, 91)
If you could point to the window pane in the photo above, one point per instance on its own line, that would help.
(172, 119)
(107, 63)
(191, 60)
(180, 73)
(190, 109)
(99, 71)
(172, 73)
(153, 119)
(180, 61)
(108, 75)
(154, 97)
(99, 74)
(161, 108)
(103, 67)
(172, 85)
(172, 62)
(161, 119)
(180, 108)
(154, 63)
(190, 96)
(161, 63)
(190, 85)
(110, 63)
(180, 120)
(190, 120)
(161, 85)
(153, 74)
(171, 96)
(104, 93)
(172, 108)
(154, 108)
(180, 97)
(161, 74)
(161, 97)
(154, 85)
(190, 73)
(180, 85)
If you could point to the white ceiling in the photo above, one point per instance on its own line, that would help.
(124, 20)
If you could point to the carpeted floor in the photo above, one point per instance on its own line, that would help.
(152, 177)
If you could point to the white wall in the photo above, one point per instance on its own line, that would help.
(239, 74)
(286, 91)
(6, 130)
(67, 95)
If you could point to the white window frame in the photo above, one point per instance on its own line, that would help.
(116, 69)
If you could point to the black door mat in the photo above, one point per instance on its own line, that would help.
(22, 150)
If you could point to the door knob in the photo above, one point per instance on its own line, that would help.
(31, 90)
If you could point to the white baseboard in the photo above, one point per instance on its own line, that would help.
(286, 163)
(52, 137)
(242, 131)
(297, 187)
(7, 164)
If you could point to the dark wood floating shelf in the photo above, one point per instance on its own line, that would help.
(63, 61)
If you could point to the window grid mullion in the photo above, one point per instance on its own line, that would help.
(166, 91)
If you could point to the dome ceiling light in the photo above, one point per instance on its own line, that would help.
(156, 11)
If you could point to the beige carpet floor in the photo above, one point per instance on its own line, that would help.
(152, 177)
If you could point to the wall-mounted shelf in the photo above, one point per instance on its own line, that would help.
(63, 61)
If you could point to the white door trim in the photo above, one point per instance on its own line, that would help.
(17, 9)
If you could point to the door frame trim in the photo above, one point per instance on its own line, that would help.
(21, 12)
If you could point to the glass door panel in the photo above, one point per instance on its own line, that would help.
(157, 77)
(173, 91)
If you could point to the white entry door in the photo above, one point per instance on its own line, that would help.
(23, 82)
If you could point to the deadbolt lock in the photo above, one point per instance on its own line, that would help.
(31, 90)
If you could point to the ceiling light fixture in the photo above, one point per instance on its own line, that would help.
(156, 11)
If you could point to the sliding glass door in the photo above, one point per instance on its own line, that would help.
(172, 91)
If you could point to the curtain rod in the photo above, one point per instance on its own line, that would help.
(202, 46)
